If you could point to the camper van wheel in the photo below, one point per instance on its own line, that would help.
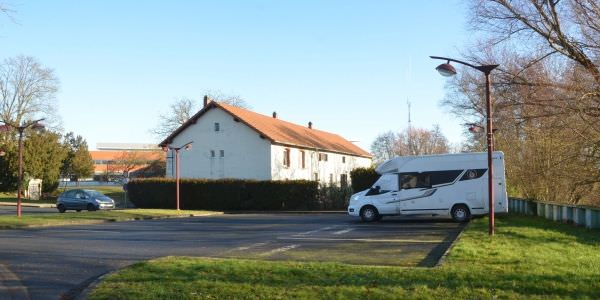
(369, 214)
(461, 213)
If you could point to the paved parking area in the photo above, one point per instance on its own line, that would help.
(55, 262)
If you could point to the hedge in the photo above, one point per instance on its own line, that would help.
(363, 178)
(225, 194)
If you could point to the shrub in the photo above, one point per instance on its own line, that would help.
(224, 194)
(363, 178)
(334, 197)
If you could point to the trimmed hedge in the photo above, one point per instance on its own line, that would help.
(224, 194)
(363, 178)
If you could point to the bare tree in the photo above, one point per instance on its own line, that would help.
(179, 112)
(411, 141)
(419, 141)
(27, 90)
(182, 109)
(546, 94)
(383, 147)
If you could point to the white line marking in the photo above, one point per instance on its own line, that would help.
(242, 248)
(278, 250)
(363, 240)
(343, 231)
(317, 230)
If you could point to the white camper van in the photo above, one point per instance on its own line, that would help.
(446, 184)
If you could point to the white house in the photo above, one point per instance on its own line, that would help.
(231, 142)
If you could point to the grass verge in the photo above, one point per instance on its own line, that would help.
(72, 218)
(528, 258)
(114, 192)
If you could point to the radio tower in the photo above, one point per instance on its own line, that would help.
(410, 137)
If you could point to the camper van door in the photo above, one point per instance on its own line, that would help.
(415, 193)
(384, 193)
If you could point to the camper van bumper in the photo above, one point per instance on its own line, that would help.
(353, 211)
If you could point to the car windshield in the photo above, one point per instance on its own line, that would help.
(94, 194)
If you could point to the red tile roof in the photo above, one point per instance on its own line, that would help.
(280, 132)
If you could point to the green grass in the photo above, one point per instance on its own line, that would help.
(529, 258)
(71, 218)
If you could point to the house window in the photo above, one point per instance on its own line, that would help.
(322, 156)
(286, 157)
(217, 127)
(316, 176)
(212, 153)
(344, 180)
(221, 153)
(302, 159)
(343, 159)
(330, 178)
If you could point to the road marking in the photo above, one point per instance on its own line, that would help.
(363, 240)
(10, 285)
(317, 230)
(242, 248)
(278, 250)
(343, 231)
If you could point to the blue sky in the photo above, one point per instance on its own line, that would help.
(347, 66)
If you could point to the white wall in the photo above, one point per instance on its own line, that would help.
(332, 168)
(247, 156)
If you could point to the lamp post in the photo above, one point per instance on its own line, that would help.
(186, 147)
(448, 70)
(21, 128)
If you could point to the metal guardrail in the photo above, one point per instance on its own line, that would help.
(559, 212)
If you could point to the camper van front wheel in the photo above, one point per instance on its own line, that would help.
(460, 213)
(369, 214)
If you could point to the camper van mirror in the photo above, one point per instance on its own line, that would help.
(374, 191)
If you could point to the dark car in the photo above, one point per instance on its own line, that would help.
(79, 200)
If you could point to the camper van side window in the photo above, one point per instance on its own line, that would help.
(443, 177)
(414, 180)
(408, 180)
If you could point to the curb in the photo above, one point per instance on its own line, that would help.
(239, 212)
(442, 259)
(40, 205)
(83, 289)
(111, 221)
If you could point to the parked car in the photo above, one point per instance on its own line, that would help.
(79, 199)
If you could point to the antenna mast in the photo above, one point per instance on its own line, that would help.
(410, 137)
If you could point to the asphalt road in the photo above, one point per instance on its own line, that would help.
(56, 263)
(12, 210)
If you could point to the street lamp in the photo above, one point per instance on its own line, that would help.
(448, 70)
(186, 147)
(21, 128)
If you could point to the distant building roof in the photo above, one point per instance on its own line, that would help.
(126, 146)
(279, 131)
(112, 155)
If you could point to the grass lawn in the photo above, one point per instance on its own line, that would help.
(71, 218)
(529, 258)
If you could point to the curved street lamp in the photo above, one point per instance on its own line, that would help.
(186, 147)
(21, 128)
(448, 70)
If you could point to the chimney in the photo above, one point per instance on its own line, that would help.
(274, 115)
(310, 125)
(206, 100)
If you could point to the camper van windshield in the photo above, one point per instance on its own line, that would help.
(386, 183)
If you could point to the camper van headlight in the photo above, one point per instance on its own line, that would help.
(353, 198)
